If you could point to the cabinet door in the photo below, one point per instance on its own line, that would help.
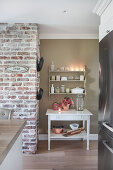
(104, 29)
(107, 14)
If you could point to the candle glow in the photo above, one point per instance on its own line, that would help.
(72, 69)
(77, 68)
(59, 110)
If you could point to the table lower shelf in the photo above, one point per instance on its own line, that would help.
(83, 135)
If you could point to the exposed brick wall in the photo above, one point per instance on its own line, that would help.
(19, 45)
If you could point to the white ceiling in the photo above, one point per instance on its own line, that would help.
(79, 21)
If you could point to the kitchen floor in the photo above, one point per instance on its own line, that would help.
(64, 155)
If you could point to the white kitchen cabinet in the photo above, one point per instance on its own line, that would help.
(105, 11)
(106, 21)
(105, 28)
(107, 15)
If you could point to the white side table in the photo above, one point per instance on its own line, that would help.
(70, 115)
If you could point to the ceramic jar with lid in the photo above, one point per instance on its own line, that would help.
(62, 89)
(57, 89)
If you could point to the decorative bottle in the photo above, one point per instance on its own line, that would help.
(52, 89)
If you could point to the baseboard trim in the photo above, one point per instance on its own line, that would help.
(91, 137)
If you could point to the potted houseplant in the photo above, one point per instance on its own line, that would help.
(67, 102)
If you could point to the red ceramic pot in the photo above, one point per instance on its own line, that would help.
(55, 106)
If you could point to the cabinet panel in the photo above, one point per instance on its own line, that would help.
(104, 29)
(107, 14)
(106, 21)
(67, 117)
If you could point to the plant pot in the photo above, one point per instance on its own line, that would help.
(65, 108)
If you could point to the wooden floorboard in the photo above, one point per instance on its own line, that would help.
(64, 155)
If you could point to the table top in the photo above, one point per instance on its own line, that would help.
(85, 112)
(9, 132)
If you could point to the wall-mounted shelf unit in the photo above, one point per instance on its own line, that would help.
(68, 93)
(68, 83)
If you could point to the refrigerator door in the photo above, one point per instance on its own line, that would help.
(106, 80)
(105, 147)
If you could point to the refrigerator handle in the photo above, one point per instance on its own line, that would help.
(108, 127)
(107, 146)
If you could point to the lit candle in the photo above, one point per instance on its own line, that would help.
(72, 69)
(77, 69)
(59, 110)
(82, 68)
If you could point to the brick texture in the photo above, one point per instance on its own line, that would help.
(19, 45)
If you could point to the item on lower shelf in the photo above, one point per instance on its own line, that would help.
(57, 89)
(52, 89)
(73, 132)
(58, 129)
(74, 126)
(67, 90)
(62, 89)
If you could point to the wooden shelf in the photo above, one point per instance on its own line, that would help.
(66, 71)
(67, 80)
(67, 93)
(73, 85)
(76, 136)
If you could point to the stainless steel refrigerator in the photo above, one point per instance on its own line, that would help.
(105, 117)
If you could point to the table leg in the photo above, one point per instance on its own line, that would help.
(49, 131)
(88, 131)
(83, 123)
(83, 127)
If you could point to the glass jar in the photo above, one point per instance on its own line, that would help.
(58, 77)
(79, 103)
(53, 77)
(77, 77)
(67, 90)
(62, 89)
(57, 89)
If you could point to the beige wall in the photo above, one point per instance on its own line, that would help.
(70, 52)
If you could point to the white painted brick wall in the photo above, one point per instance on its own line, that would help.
(19, 45)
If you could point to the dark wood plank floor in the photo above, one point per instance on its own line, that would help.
(64, 155)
